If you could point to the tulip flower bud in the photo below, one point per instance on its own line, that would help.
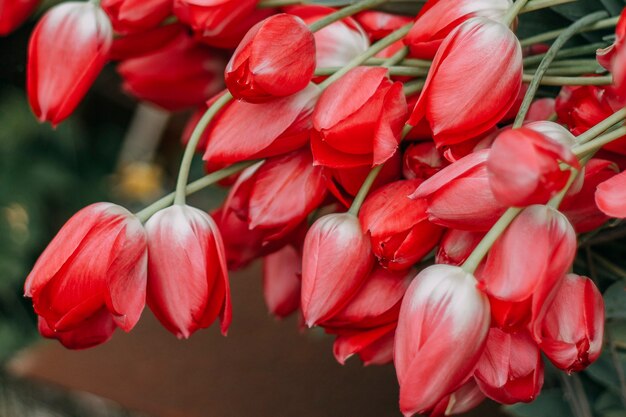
(279, 126)
(91, 278)
(358, 129)
(282, 274)
(422, 160)
(276, 58)
(510, 369)
(607, 55)
(128, 16)
(573, 327)
(336, 260)
(182, 74)
(524, 164)
(187, 277)
(459, 196)
(336, 44)
(443, 324)
(14, 13)
(438, 18)
(490, 54)
(67, 51)
(611, 196)
(398, 241)
(552, 240)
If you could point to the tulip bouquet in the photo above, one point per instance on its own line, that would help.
(417, 177)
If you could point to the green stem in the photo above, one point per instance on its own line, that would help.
(373, 50)
(344, 12)
(556, 201)
(566, 53)
(413, 87)
(599, 142)
(549, 57)
(477, 255)
(513, 11)
(601, 127)
(574, 70)
(396, 58)
(365, 188)
(548, 36)
(190, 149)
(560, 81)
(95, 2)
(193, 187)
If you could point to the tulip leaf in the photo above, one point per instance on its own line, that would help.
(604, 373)
(608, 402)
(615, 301)
(549, 403)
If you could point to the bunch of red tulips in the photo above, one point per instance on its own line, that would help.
(406, 187)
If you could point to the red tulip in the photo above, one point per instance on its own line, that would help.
(373, 346)
(380, 24)
(459, 196)
(422, 160)
(188, 284)
(398, 226)
(611, 196)
(91, 278)
(580, 206)
(183, 73)
(336, 260)
(572, 330)
(539, 245)
(541, 109)
(128, 16)
(282, 272)
(490, 54)
(460, 401)
(14, 12)
(376, 303)
(358, 126)
(336, 44)
(443, 324)
(510, 369)
(211, 18)
(438, 18)
(67, 51)
(272, 128)
(456, 246)
(606, 56)
(524, 164)
(276, 58)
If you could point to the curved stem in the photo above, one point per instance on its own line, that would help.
(477, 255)
(373, 50)
(559, 81)
(193, 187)
(567, 52)
(599, 142)
(396, 58)
(365, 188)
(344, 12)
(513, 11)
(549, 57)
(556, 201)
(190, 149)
(601, 127)
(542, 4)
(403, 71)
(413, 87)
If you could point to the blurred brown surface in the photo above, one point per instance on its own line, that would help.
(263, 368)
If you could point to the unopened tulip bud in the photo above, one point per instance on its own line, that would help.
(443, 324)
(91, 278)
(188, 284)
(67, 51)
(572, 329)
